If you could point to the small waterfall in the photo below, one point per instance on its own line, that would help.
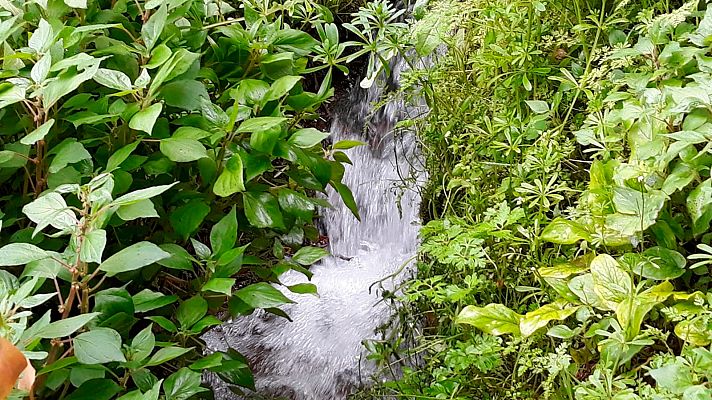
(320, 356)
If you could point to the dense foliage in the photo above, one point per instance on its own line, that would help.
(566, 252)
(160, 162)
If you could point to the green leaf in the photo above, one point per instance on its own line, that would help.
(296, 204)
(146, 118)
(184, 94)
(179, 259)
(562, 231)
(223, 235)
(307, 138)
(120, 155)
(50, 210)
(164, 323)
(10, 94)
(304, 288)
(76, 3)
(347, 144)
(20, 254)
(275, 66)
(657, 263)
(183, 150)
(699, 205)
(65, 327)
(133, 257)
(187, 218)
(67, 82)
(259, 124)
(219, 285)
(539, 318)
(142, 194)
(93, 246)
(494, 319)
(95, 389)
(191, 311)
(637, 211)
(151, 30)
(142, 344)
(262, 210)
(98, 346)
(674, 376)
(538, 106)
(38, 134)
(68, 152)
(703, 35)
(610, 281)
(281, 87)
(147, 300)
(348, 197)
(262, 295)
(166, 354)
(141, 209)
(183, 384)
(309, 255)
(113, 79)
(294, 40)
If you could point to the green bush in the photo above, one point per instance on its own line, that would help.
(155, 156)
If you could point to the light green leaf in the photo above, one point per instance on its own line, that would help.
(142, 344)
(133, 257)
(146, 118)
(148, 300)
(563, 231)
(539, 318)
(259, 124)
(182, 150)
(262, 210)
(76, 3)
(610, 281)
(41, 38)
(223, 235)
(348, 144)
(98, 346)
(191, 311)
(151, 30)
(141, 209)
(262, 295)
(10, 94)
(41, 68)
(93, 246)
(309, 255)
(68, 152)
(281, 87)
(113, 79)
(307, 138)
(538, 106)
(219, 285)
(183, 384)
(231, 179)
(50, 210)
(65, 327)
(20, 254)
(494, 319)
(141, 194)
(166, 354)
(38, 134)
(67, 82)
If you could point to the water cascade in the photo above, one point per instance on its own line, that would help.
(320, 355)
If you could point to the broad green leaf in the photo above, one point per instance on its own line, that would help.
(151, 30)
(538, 106)
(38, 134)
(183, 384)
(266, 140)
(93, 246)
(20, 254)
(275, 66)
(142, 194)
(145, 119)
(113, 79)
(179, 259)
(141, 209)
(348, 144)
(259, 124)
(636, 211)
(133, 257)
(296, 204)
(147, 300)
(295, 41)
(10, 94)
(657, 263)
(494, 319)
(231, 179)
(539, 318)
(219, 285)
(95, 389)
(703, 35)
(191, 311)
(680, 176)
(98, 346)
(183, 150)
(41, 38)
(50, 210)
(65, 327)
(187, 218)
(178, 64)
(674, 376)
(223, 235)
(68, 152)
(66, 83)
(159, 56)
(562, 231)
(281, 87)
(142, 344)
(184, 94)
(699, 205)
(262, 295)
(164, 323)
(166, 354)
(610, 281)
(309, 255)
(304, 288)
(307, 137)
(262, 210)
(348, 197)
(696, 331)
(41, 68)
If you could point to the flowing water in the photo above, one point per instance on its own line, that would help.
(320, 356)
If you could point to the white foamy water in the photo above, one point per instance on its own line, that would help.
(320, 356)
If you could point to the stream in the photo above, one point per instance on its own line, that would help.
(320, 355)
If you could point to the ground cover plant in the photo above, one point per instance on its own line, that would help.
(159, 164)
(566, 245)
